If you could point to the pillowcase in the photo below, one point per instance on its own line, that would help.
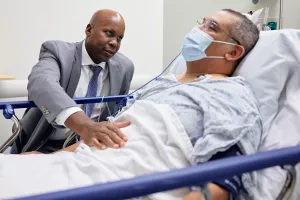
(273, 70)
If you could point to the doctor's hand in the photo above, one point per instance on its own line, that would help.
(105, 134)
(98, 134)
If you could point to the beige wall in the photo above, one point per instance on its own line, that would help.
(26, 24)
(291, 14)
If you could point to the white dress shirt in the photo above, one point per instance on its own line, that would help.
(81, 91)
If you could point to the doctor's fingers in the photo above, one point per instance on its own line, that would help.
(94, 142)
(109, 138)
(98, 144)
(115, 129)
(122, 124)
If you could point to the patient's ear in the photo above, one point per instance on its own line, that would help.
(237, 52)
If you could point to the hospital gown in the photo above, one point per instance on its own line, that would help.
(218, 116)
(223, 106)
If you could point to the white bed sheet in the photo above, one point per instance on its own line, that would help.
(156, 142)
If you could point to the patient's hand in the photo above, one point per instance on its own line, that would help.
(98, 134)
(193, 196)
(217, 193)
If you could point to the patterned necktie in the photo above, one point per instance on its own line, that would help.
(92, 88)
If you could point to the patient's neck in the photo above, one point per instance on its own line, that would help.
(208, 66)
(202, 67)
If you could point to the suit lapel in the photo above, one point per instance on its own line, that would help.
(115, 85)
(76, 70)
(114, 79)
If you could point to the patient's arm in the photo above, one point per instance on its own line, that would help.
(222, 189)
(30, 152)
(217, 193)
(69, 148)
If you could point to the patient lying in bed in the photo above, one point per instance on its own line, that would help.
(176, 121)
(184, 125)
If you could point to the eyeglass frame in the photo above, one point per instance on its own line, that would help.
(212, 21)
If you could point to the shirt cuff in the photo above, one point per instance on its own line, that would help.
(65, 114)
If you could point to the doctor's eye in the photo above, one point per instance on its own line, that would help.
(119, 38)
(109, 33)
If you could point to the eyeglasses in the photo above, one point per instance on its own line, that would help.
(212, 24)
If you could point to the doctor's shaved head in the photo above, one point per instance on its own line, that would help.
(104, 34)
(104, 14)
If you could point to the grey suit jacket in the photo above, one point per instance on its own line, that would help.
(52, 84)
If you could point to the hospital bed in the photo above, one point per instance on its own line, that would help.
(273, 71)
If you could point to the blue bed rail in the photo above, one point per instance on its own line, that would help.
(85, 100)
(190, 176)
(8, 107)
(9, 111)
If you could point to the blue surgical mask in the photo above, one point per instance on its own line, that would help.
(195, 43)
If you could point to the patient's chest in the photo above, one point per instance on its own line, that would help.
(185, 99)
(193, 102)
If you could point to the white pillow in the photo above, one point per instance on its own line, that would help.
(273, 70)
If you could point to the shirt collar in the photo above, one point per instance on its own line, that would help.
(86, 59)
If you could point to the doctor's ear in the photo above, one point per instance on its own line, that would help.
(88, 30)
(236, 53)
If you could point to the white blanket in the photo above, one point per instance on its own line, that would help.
(157, 142)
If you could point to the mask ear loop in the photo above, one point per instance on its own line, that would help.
(217, 41)
(229, 43)
(214, 57)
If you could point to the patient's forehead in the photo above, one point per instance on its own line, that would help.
(223, 18)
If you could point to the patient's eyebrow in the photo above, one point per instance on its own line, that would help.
(216, 23)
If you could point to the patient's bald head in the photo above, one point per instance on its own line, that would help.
(104, 34)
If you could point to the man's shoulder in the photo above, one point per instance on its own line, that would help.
(122, 59)
(231, 87)
(241, 83)
(59, 45)
(240, 88)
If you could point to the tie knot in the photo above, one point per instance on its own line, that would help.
(95, 69)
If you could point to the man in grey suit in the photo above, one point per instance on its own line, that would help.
(65, 70)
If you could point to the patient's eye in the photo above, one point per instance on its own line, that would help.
(214, 26)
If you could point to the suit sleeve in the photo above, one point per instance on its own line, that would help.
(44, 84)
